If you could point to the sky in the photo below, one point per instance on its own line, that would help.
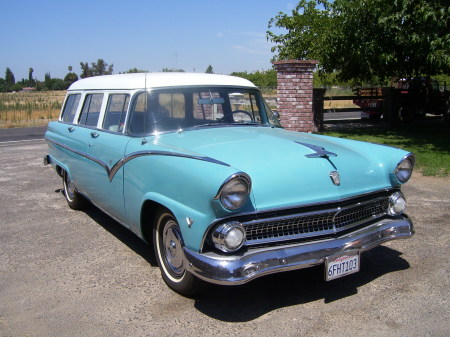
(50, 35)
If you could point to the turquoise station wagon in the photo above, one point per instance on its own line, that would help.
(199, 166)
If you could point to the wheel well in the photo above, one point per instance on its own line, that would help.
(59, 170)
(148, 213)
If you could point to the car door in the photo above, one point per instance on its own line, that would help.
(74, 139)
(106, 148)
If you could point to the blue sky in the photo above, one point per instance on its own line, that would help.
(151, 35)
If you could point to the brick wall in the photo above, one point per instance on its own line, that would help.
(295, 94)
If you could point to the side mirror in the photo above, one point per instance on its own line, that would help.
(276, 114)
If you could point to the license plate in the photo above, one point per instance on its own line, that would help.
(342, 265)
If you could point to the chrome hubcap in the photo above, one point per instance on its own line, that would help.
(70, 188)
(173, 250)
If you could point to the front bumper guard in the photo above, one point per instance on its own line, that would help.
(239, 269)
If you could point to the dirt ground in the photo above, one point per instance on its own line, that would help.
(69, 273)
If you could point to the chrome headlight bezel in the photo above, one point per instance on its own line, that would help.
(404, 168)
(234, 191)
(397, 204)
(229, 237)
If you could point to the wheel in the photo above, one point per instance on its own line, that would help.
(74, 199)
(226, 117)
(404, 115)
(168, 245)
(375, 117)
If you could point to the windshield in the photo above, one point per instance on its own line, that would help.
(183, 108)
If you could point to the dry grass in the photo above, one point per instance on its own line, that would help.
(339, 104)
(23, 109)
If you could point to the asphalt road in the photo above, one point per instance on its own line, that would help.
(72, 273)
(16, 134)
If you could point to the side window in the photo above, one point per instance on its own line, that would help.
(208, 105)
(116, 111)
(173, 104)
(70, 108)
(91, 109)
(245, 102)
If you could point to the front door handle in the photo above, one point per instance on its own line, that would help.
(71, 129)
(94, 134)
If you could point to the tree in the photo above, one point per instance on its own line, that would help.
(307, 29)
(85, 70)
(265, 78)
(101, 68)
(16, 87)
(9, 80)
(30, 77)
(135, 70)
(367, 39)
(209, 70)
(70, 78)
(96, 69)
(48, 81)
(172, 70)
(58, 84)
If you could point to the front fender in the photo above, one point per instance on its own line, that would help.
(192, 222)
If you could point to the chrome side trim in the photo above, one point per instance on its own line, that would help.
(254, 263)
(111, 172)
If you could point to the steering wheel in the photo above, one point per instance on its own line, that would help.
(236, 112)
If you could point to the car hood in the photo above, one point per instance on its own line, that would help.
(290, 168)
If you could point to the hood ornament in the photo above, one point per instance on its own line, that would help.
(334, 175)
(319, 152)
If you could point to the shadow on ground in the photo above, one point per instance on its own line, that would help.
(252, 300)
(123, 234)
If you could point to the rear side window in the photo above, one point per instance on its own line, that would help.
(91, 110)
(70, 108)
(116, 112)
(173, 104)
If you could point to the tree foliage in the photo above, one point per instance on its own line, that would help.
(307, 30)
(135, 70)
(172, 70)
(265, 78)
(364, 39)
(30, 77)
(9, 80)
(96, 69)
(70, 78)
(209, 70)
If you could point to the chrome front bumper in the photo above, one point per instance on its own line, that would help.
(239, 269)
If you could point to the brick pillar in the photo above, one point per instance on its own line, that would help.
(295, 94)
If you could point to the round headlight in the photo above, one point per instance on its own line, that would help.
(404, 169)
(229, 237)
(397, 204)
(234, 191)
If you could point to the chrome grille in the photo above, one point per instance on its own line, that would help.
(311, 224)
(303, 224)
(360, 213)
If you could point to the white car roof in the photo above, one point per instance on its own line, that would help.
(157, 80)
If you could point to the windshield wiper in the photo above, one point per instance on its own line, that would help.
(245, 123)
(227, 124)
(209, 124)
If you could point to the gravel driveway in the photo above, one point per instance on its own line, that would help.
(69, 273)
